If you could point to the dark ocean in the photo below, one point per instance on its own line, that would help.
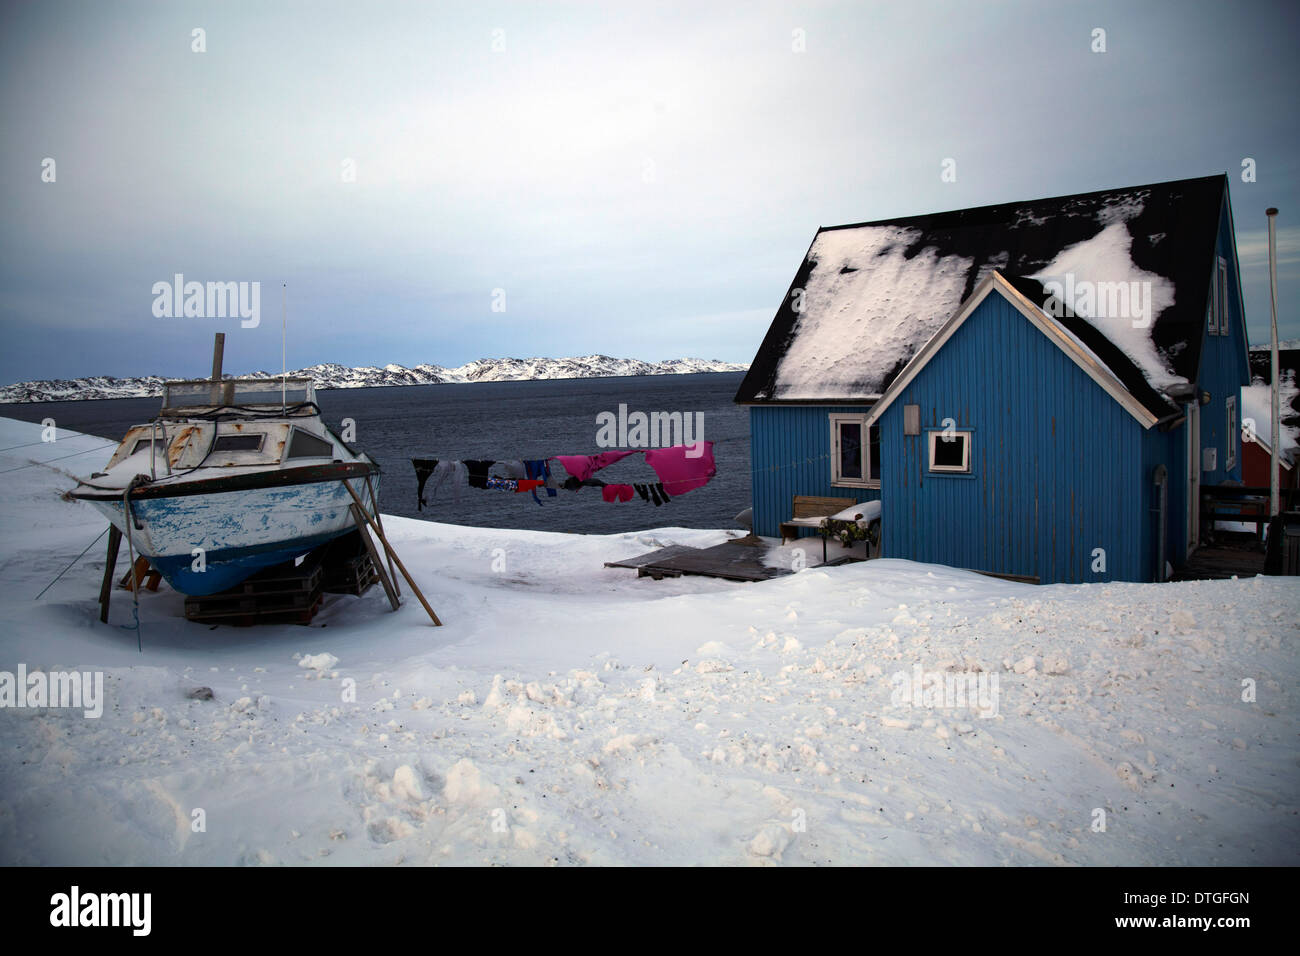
(505, 420)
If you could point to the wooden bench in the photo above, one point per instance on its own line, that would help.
(808, 512)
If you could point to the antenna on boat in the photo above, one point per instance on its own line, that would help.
(284, 321)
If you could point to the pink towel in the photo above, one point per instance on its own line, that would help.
(678, 470)
(583, 467)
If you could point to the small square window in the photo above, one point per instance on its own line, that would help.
(950, 452)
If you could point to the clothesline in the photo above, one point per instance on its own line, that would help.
(679, 468)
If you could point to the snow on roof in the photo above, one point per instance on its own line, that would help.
(868, 296)
(1102, 261)
(865, 304)
(1256, 406)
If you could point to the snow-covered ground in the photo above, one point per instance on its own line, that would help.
(569, 713)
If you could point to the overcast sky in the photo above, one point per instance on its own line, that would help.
(641, 179)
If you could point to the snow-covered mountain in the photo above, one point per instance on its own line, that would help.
(332, 375)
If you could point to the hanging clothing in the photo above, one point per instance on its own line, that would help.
(478, 471)
(540, 468)
(678, 471)
(617, 492)
(583, 467)
(445, 481)
(511, 469)
(423, 470)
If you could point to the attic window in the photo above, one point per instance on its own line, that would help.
(248, 442)
(855, 462)
(950, 452)
(1221, 294)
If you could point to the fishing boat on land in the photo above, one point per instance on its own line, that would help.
(232, 476)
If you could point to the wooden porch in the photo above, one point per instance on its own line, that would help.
(748, 558)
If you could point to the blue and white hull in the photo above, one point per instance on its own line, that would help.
(208, 542)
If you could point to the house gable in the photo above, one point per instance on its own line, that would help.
(1055, 332)
(1052, 490)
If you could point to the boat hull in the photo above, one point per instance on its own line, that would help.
(204, 543)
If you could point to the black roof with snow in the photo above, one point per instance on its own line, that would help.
(872, 294)
(1288, 360)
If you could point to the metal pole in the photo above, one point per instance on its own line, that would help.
(284, 324)
(1276, 434)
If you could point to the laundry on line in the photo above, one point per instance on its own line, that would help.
(679, 468)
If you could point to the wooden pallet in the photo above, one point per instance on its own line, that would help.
(348, 567)
(285, 593)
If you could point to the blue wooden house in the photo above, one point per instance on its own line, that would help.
(1034, 389)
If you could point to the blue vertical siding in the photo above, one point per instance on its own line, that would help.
(1225, 366)
(1056, 462)
(790, 451)
(1168, 448)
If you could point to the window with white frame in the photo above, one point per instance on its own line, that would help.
(1212, 309)
(1221, 281)
(950, 452)
(855, 451)
(1233, 432)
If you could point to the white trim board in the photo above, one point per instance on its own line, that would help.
(1065, 342)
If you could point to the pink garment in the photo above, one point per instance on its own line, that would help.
(678, 471)
(617, 492)
(583, 467)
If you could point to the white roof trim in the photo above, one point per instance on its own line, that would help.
(1066, 343)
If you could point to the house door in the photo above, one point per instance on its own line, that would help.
(1193, 476)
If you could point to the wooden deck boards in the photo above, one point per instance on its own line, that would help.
(740, 559)
(1232, 554)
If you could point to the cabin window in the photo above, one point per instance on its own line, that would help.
(305, 445)
(160, 446)
(1232, 430)
(855, 452)
(243, 442)
(950, 452)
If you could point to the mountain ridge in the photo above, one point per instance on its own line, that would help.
(329, 375)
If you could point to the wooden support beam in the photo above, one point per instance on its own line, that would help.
(360, 520)
(370, 491)
(106, 588)
(361, 512)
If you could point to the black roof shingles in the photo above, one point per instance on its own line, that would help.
(1173, 236)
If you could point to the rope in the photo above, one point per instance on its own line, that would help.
(130, 550)
(60, 458)
(69, 567)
